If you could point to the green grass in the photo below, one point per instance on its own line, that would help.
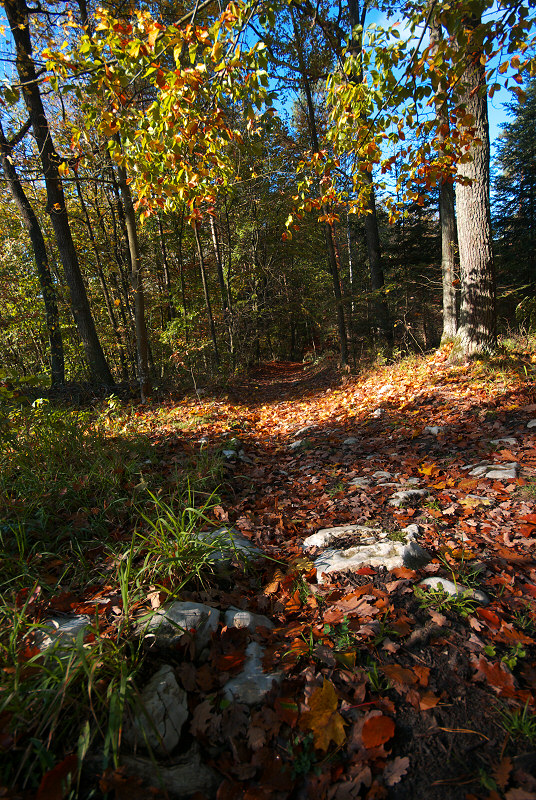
(462, 604)
(80, 506)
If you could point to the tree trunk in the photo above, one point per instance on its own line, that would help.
(17, 13)
(476, 332)
(206, 292)
(31, 223)
(328, 232)
(447, 216)
(171, 312)
(223, 289)
(136, 279)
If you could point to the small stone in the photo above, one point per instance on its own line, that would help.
(404, 498)
(413, 481)
(229, 545)
(238, 618)
(158, 723)
(297, 445)
(252, 684)
(508, 440)
(186, 775)
(377, 413)
(303, 431)
(503, 472)
(531, 424)
(350, 441)
(61, 633)
(381, 475)
(360, 482)
(229, 454)
(453, 589)
(433, 430)
(169, 623)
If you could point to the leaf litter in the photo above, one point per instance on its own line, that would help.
(381, 696)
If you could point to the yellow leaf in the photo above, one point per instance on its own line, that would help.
(429, 469)
(323, 719)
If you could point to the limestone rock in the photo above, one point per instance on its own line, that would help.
(229, 545)
(238, 618)
(350, 441)
(373, 547)
(169, 623)
(61, 632)
(498, 472)
(252, 684)
(433, 430)
(297, 445)
(454, 588)
(508, 441)
(531, 424)
(407, 496)
(158, 722)
(303, 431)
(186, 775)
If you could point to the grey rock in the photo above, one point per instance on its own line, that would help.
(238, 618)
(453, 589)
(61, 632)
(163, 710)
(350, 441)
(303, 431)
(407, 496)
(361, 482)
(413, 481)
(297, 445)
(168, 624)
(229, 454)
(381, 475)
(252, 684)
(325, 536)
(377, 413)
(186, 775)
(496, 472)
(508, 440)
(373, 547)
(531, 424)
(229, 544)
(433, 430)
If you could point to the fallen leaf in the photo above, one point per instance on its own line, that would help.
(323, 718)
(57, 782)
(501, 773)
(377, 731)
(428, 700)
(497, 675)
(395, 770)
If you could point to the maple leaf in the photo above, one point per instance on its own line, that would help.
(323, 719)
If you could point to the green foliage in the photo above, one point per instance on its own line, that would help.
(462, 604)
(520, 723)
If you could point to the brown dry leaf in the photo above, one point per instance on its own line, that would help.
(323, 718)
(399, 674)
(436, 617)
(497, 675)
(55, 783)
(377, 730)
(428, 700)
(501, 773)
(201, 719)
(423, 674)
(395, 770)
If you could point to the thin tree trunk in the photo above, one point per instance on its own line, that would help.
(171, 312)
(221, 279)
(447, 216)
(206, 292)
(17, 13)
(102, 280)
(31, 223)
(136, 279)
(476, 332)
(328, 232)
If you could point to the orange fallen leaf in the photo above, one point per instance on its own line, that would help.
(377, 731)
(323, 719)
(428, 700)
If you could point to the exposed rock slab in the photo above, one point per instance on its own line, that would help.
(498, 472)
(372, 547)
(407, 496)
(169, 623)
(158, 723)
(184, 777)
(252, 684)
(454, 589)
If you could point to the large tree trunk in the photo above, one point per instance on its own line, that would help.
(136, 279)
(31, 223)
(476, 332)
(17, 13)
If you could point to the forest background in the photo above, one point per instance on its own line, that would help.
(180, 227)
